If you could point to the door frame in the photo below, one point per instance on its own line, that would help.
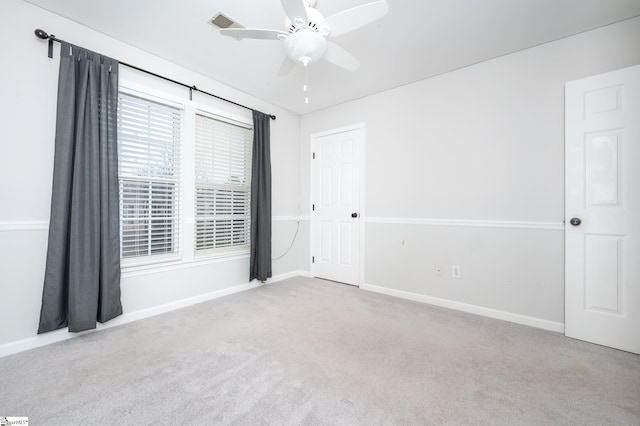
(361, 187)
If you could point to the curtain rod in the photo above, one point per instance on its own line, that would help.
(41, 34)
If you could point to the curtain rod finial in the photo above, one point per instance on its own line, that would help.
(41, 34)
(273, 117)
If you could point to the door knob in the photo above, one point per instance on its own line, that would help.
(354, 214)
(575, 221)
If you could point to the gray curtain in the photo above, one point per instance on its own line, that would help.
(261, 198)
(82, 276)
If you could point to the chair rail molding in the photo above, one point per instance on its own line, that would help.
(288, 218)
(11, 226)
(548, 226)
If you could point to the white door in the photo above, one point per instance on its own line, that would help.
(602, 236)
(335, 209)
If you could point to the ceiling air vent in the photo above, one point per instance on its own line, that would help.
(221, 20)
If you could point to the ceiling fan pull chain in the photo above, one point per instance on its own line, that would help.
(305, 86)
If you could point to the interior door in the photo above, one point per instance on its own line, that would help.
(335, 210)
(602, 236)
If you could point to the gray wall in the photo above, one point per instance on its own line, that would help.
(467, 169)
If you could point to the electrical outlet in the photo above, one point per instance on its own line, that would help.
(438, 271)
(455, 271)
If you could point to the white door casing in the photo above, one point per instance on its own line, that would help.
(336, 186)
(602, 252)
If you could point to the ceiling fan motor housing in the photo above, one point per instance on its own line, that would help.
(314, 19)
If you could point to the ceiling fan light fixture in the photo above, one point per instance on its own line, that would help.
(305, 46)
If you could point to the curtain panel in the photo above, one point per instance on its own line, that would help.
(82, 276)
(260, 259)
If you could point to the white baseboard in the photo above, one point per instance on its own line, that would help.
(288, 275)
(62, 334)
(305, 274)
(465, 307)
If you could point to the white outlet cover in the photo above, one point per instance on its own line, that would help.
(455, 271)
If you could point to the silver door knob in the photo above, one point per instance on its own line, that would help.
(575, 221)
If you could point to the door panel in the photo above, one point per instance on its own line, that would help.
(335, 193)
(602, 279)
(603, 150)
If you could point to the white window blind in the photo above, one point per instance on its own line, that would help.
(149, 139)
(223, 185)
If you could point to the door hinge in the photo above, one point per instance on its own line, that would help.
(313, 207)
(314, 155)
(313, 259)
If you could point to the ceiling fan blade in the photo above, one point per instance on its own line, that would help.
(295, 8)
(286, 67)
(356, 17)
(252, 33)
(340, 57)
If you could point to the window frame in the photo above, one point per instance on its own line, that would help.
(153, 96)
(232, 249)
(187, 224)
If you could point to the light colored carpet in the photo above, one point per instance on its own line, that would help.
(306, 351)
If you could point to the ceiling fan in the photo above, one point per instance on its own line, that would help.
(305, 39)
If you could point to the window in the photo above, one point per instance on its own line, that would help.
(181, 164)
(149, 139)
(222, 185)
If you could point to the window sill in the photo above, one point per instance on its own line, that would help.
(143, 262)
(164, 265)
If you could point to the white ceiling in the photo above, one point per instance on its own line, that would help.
(416, 40)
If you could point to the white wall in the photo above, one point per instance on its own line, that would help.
(479, 148)
(27, 114)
